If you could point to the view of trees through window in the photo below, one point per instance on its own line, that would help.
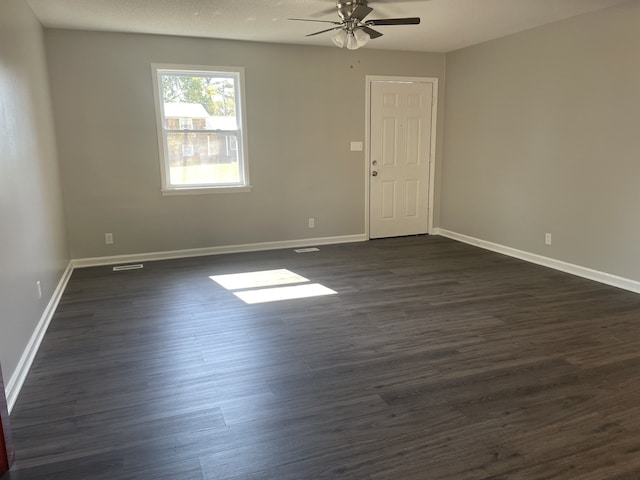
(201, 129)
(216, 94)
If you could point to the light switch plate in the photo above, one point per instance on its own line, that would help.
(356, 146)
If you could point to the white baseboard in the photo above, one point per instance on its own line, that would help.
(200, 252)
(584, 272)
(14, 385)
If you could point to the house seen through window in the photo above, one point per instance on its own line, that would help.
(201, 126)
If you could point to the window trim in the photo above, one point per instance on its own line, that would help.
(158, 69)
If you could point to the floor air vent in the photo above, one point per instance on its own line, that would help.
(136, 266)
(306, 250)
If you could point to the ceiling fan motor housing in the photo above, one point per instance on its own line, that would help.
(346, 8)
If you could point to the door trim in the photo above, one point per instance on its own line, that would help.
(369, 79)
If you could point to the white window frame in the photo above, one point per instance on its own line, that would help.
(166, 188)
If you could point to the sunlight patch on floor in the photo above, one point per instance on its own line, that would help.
(284, 293)
(265, 278)
(287, 286)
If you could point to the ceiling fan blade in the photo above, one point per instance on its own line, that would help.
(394, 21)
(311, 20)
(360, 12)
(371, 32)
(323, 31)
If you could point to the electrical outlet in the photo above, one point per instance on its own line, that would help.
(39, 289)
(312, 223)
(547, 238)
(108, 238)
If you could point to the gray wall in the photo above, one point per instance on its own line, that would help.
(32, 242)
(304, 106)
(542, 134)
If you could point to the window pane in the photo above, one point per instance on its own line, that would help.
(202, 158)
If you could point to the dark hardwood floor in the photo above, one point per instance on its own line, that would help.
(435, 360)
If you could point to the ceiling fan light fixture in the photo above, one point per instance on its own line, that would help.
(361, 37)
(352, 43)
(356, 39)
(340, 38)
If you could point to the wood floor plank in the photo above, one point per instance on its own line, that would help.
(435, 360)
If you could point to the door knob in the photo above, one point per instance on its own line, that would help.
(374, 173)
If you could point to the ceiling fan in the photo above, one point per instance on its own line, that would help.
(353, 31)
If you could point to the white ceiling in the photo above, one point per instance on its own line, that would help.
(446, 24)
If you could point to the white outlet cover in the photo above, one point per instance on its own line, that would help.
(356, 146)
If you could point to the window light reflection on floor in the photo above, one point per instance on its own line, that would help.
(284, 293)
(286, 284)
(265, 278)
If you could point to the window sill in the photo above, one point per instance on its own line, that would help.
(204, 191)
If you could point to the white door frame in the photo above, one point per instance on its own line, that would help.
(367, 144)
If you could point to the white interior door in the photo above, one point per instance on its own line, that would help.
(400, 148)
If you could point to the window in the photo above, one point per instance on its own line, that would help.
(201, 129)
(187, 150)
(232, 144)
(186, 123)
